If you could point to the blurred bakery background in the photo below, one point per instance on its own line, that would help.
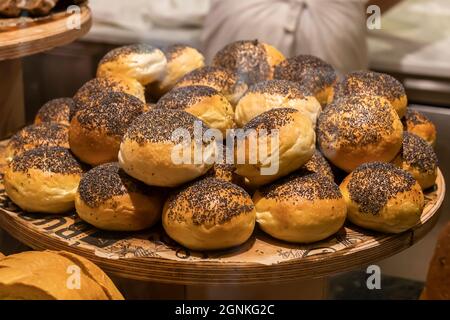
(413, 44)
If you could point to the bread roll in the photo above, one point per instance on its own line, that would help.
(44, 179)
(224, 168)
(318, 164)
(33, 136)
(417, 123)
(359, 129)
(141, 62)
(209, 214)
(57, 111)
(97, 130)
(272, 94)
(151, 150)
(300, 208)
(51, 275)
(382, 197)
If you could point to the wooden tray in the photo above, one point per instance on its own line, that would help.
(152, 256)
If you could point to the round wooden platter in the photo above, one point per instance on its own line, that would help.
(21, 37)
(152, 256)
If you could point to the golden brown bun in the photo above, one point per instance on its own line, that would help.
(419, 159)
(204, 102)
(181, 60)
(44, 179)
(46, 275)
(274, 56)
(418, 124)
(57, 111)
(299, 208)
(141, 62)
(312, 73)
(96, 130)
(33, 136)
(382, 197)
(109, 199)
(296, 145)
(221, 79)
(359, 129)
(271, 94)
(318, 164)
(147, 149)
(373, 83)
(209, 214)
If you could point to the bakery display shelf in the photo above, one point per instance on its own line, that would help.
(152, 256)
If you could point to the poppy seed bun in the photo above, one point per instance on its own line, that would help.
(419, 159)
(109, 199)
(96, 130)
(209, 214)
(57, 111)
(141, 62)
(373, 83)
(301, 209)
(318, 164)
(312, 73)
(33, 136)
(272, 94)
(149, 153)
(205, 103)
(359, 129)
(382, 197)
(224, 168)
(296, 144)
(218, 78)
(44, 179)
(417, 123)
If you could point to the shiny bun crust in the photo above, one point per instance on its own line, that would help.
(147, 149)
(33, 136)
(373, 83)
(359, 129)
(56, 111)
(417, 123)
(96, 130)
(312, 73)
(203, 102)
(318, 164)
(301, 209)
(419, 159)
(142, 62)
(296, 145)
(181, 60)
(96, 87)
(221, 79)
(44, 179)
(272, 94)
(382, 197)
(109, 199)
(209, 214)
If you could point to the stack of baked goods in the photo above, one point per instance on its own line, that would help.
(113, 150)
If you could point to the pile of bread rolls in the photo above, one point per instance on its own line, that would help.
(108, 150)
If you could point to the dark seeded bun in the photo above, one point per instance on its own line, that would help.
(417, 123)
(56, 111)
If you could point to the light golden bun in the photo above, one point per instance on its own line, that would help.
(382, 197)
(33, 136)
(417, 123)
(221, 79)
(46, 275)
(209, 214)
(419, 159)
(44, 179)
(57, 110)
(147, 149)
(271, 94)
(312, 73)
(141, 62)
(359, 129)
(181, 60)
(96, 130)
(296, 145)
(373, 83)
(301, 209)
(204, 102)
(109, 199)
